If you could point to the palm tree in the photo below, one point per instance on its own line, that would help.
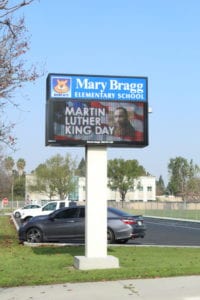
(9, 164)
(20, 166)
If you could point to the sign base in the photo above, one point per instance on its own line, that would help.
(91, 263)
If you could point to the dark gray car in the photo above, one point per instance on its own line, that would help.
(69, 224)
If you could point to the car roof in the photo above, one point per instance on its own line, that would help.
(111, 209)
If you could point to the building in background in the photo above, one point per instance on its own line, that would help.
(144, 190)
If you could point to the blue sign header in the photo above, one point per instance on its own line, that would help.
(93, 87)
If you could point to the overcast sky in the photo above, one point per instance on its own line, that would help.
(156, 39)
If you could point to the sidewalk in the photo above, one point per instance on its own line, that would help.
(173, 288)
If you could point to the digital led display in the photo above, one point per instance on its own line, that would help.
(89, 110)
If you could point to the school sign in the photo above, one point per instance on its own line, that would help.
(96, 110)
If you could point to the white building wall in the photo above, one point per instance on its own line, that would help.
(144, 189)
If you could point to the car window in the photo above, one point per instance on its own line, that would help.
(50, 206)
(35, 206)
(31, 206)
(68, 213)
(27, 207)
(62, 204)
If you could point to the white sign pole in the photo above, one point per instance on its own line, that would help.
(96, 213)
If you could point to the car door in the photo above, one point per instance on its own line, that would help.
(79, 223)
(64, 225)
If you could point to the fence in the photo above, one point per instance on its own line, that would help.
(185, 210)
(12, 205)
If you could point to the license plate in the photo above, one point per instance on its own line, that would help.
(139, 223)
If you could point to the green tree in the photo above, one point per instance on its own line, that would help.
(193, 189)
(15, 177)
(43, 181)
(181, 174)
(121, 175)
(160, 186)
(20, 166)
(9, 164)
(5, 183)
(19, 187)
(81, 170)
(55, 176)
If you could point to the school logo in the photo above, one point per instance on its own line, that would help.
(61, 87)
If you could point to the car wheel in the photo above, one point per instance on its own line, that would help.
(17, 215)
(110, 236)
(34, 235)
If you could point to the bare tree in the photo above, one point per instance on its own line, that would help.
(14, 44)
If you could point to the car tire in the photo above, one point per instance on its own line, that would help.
(110, 236)
(34, 235)
(17, 215)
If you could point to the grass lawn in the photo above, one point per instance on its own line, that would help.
(21, 265)
(180, 214)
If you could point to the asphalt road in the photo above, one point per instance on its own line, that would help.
(170, 232)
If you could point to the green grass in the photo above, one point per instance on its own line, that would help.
(22, 265)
